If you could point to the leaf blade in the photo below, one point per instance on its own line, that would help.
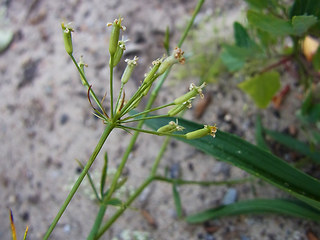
(279, 206)
(230, 148)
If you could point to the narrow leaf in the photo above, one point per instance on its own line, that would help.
(259, 135)
(114, 202)
(294, 144)
(177, 200)
(261, 88)
(257, 206)
(241, 36)
(232, 149)
(13, 228)
(104, 174)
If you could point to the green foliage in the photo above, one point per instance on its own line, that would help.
(258, 206)
(229, 148)
(262, 87)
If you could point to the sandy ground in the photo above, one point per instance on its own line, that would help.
(46, 123)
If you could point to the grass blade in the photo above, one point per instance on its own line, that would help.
(294, 144)
(259, 135)
(232, 149)
(257, 206)
(177, 200)
(104, 174)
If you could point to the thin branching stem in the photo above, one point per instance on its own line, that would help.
(84, 172)
(87, 84)
(151, 132)
(148, 111)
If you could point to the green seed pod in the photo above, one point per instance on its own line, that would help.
(194, 91)
(179, 108)
(67, 38)
(176, 56)
(185, 97)
(169, 128)
(168, 62)
(152, 72)
(207, 130)
(119, 52)
(115, 33)
(131, 64)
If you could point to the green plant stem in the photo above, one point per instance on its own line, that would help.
(95, 98)
(186, 31)
(90, 181)
(143, 118)
(151, 100)
(152, 132)
(128, 203)
(167, 180)
(111, 85)
(160, 155)
(84, 172)
(202, 183)
(148, 111)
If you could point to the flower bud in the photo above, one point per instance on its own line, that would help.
(194, 91)
(171, 127)
(207, 130)
(131, 64)
(177, 56)
(179, 108)
(115, 33)
(67, 38)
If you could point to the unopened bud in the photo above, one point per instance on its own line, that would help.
(131, 64)
(67, 38)
(207, 130)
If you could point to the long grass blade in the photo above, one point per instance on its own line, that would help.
(258, 206)
(232, 149)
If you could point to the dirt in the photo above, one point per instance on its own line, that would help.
(47, 123)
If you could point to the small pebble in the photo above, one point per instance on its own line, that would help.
(175, 170)
(66, 228)
(64, 119)
(230, 196)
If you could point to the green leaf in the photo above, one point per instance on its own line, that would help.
(261, 88)
(114, 202)
(294, 144)
(241, 36)
(273, 25)
(316, 60)
(256, 206)
(305, 7)
(232, 149)
(258, 4)
(259, 135)
(234, 57)
(177, 200)
(301, 24)
(104, 174)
